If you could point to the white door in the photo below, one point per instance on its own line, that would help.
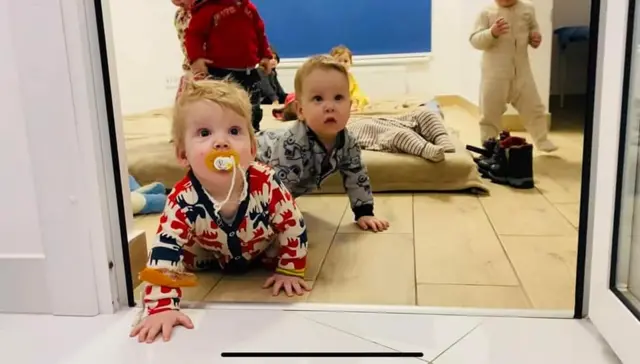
(614, 287)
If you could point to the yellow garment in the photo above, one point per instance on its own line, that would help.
(358, 98)
(506, 72)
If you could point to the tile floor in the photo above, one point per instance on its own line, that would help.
(513, 249)
(27, 339)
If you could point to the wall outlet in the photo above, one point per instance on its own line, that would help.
(171, 82)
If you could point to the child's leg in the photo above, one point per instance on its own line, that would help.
(531, 109)
(197, 258)
(430, 126)
(251, 83)
(408, 141)
(494, 95)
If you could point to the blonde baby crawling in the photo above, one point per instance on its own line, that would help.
(228, 213)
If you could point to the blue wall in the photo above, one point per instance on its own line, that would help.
(300, 28)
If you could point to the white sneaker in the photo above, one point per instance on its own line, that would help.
(546, 146)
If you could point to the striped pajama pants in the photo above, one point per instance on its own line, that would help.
(421, 133)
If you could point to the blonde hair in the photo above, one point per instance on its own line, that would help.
(320, 62)
(225, 93)
(337, 51)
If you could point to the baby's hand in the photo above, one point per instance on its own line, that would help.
(199, 67)
(535, 39)
(150, 327)
(287, 283)
(372, 223)
(499, 28)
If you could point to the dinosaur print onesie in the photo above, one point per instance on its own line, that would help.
(268, 229)
(506, 72)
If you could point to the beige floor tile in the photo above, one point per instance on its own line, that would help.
(546, 267)
(558, 179)
(571, 211)
(367, 268)
(206, 282)
(248, 290)
(394, 207)
(148, 223)
(464, 296)
(455, 243)
(323, 212)
(523, 212)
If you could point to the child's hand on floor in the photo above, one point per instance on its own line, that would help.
(372, 223)
(199, 67)
(287, 283)
(162, 322)
(500, 27)
(535, 39)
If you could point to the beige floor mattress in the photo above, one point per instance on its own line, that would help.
(151, 158)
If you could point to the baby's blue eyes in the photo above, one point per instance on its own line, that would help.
(234, 131)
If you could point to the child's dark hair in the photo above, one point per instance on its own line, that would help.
(275, 53)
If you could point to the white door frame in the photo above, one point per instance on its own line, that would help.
(614, 321)
(57, 86)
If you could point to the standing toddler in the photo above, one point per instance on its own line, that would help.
(503, 32)
(226, 39)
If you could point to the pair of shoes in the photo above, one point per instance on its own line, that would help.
(488, 146)
(511, 163)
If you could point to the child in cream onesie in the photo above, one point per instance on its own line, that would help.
(504, 31)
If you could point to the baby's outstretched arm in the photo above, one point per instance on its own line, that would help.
(288, 222)
(164, 276)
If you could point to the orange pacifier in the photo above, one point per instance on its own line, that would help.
(222, 160)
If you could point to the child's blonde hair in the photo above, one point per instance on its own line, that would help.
(337, 51)
(225, 93)
(320, 62)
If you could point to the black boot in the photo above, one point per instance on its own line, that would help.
(520, 166)
(511, 164)
(495, 167)
(488, 146)
(485, 163)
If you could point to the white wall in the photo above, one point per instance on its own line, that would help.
(571, 13)
(148, 56)
(53, 250)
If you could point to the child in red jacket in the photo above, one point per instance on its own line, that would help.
(226, 38)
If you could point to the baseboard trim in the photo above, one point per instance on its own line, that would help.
(23, 283)
(510, 120)
(138, 254)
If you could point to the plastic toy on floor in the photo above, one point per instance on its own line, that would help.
(148, 199)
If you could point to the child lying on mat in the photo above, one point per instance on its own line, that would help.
(420, 133)
(317, 145)
(228, 213)
(343, 55)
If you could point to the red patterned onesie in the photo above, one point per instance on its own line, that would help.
(268, 227)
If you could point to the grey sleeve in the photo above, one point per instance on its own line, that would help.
(481, 37)
(356, 179)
